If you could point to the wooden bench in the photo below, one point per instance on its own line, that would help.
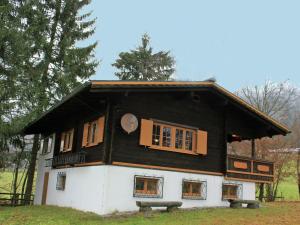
(251, 204)
(146, 206)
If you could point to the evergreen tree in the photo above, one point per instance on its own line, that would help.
(11, 49)
(50, 63)
(143, 64)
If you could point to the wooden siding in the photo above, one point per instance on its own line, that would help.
(208, 113)
(253, 169)
(76, 121)
(176, 108)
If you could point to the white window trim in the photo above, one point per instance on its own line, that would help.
(203, 191)
(239, 189)
(159, 190)
(58, 185)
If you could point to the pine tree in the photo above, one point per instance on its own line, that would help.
(51, 62)
(11, 50)
(143, 64)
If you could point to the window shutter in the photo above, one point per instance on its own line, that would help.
(146, 132)
(100, 130)
(201, 142)
(62, 142)
(85, 134)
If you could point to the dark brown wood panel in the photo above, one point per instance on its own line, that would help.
(176, 108)
(76, 121)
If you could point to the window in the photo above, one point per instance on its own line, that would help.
(93, 132)
(66, 141)
(61, 181)
(147, 186)
(193, 189)
(47, 144)
(163, 137)
(231, 191)
(156, 135)
(172, 137)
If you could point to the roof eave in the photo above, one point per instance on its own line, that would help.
(72, 94)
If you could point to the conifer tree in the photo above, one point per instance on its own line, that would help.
(51, 63)
(143, 64)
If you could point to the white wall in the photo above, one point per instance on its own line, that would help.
(120, 184)
(84, 188)
(105, 189)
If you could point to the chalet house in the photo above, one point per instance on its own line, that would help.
(112, 143)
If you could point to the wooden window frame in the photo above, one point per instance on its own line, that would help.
(199, 143)
(172, 147)
(189, 195)
(67, 139)
(47, 149)
(227, 196)
(92, 134)
(145, 192)
(92, 137)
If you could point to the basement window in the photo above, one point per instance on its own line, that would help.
(193, 189)
(147, 187)
(61, 181)
(231, 191)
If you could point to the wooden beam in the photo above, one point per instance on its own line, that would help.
(248, 180)
(166, 168)
(253, 148)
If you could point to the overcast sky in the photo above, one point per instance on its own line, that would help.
(238, 42)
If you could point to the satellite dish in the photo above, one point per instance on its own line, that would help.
(129, 122)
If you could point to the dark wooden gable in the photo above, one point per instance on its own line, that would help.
(176, 108)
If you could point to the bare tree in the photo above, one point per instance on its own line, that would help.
(298, 155)
(296, 145)
(278, 101)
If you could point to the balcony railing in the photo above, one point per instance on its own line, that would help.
(243, 168)
(68, 159)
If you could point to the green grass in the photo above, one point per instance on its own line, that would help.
(6, 181)
(289, 189)
(271, 213)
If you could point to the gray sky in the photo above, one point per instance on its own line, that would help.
(239, 42)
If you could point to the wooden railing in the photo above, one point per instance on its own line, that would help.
(68, 159)
(244, 168)
(17, 199)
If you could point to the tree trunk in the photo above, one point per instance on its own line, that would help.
(261, 192)
(275, 190)
(31, 169)
(23, 188)
(269, 192)
(298, 171)
(15, 181)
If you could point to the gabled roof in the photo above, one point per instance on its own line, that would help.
(119, 86)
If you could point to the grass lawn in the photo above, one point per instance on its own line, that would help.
(289, 189)
(6, 181)
(270, 213)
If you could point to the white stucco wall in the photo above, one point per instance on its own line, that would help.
(106, 189)
(120, 184)
(84, 188)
